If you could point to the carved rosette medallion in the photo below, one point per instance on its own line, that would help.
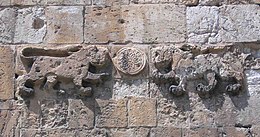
(130, 60)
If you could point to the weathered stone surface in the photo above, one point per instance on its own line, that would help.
(80, 113)
(27, 2)
(7, 24)
(199, 132)
(142, 112)
(6, 72)
(5, 2)
(33, 133)
(54, 113)
(235, 132)
(132, 132)
(30, 25)
(62, 133)
(165, 132)
(173, 113)
(9, 117)
(185, 2)
(137, 23)
(154, 23)
(108, 3)
(66, 70)
(111, 113)
(223, 2)
(256, 1)
(64, 24)
(128, 88)
(96, 132)
(102, 25)
(68, 2)
(203, 24)
(240, 23)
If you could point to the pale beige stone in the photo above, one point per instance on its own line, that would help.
(142, 112)
(132, 132)
(64, 24)
(198, 132)
(5, 2)
(166, 132)
(6, 72)
(111, 113)
(7, 24)
(27, 2)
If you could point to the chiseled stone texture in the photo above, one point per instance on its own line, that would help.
(30, 25)
(223, 2)
(185, 2)
(136, 23)
(27, 2)
(132, 132)
(201, 132)
(7, 24)
(154, 23)
(127, 88)
(235, 132)
(80, 113)
(111, 113)
(240, 23)
(142, 112)
(6, 72)
(5, 2)
(108, 3)
(203, 24)
(64, 24)
(166, 132)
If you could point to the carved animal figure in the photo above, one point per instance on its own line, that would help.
(190, 63)
(48, 65)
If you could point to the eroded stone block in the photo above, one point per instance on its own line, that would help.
(64, 24)
(108, 3)
(240, 23)
(96, 132)
(103, 25)
(235, 132)
(6, 72)
(198, 132)
(5, 2)
(154, 23)
(180, 2)
(111, 113)
(80, 113)
(7, 24)
(27, 2)
(203, 24)
(166, 132)
(127, 88)
(133, 132)
(142, 112)
(30, 25)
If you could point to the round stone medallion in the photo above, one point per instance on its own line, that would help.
(130, 60)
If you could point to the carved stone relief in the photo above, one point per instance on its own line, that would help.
(202, 67)
(130, 60)
(47, 68)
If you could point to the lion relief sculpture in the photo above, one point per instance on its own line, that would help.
(48, 66)
(180, 65)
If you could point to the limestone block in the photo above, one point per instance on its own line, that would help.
(30, 25)
(198, 132)
(62, 133)
(64, 24)
(132, 132)
(239, 23)
(166, 132)
(103, 25)
(80, 113)
(96, 132)
(256, 1)
(27, 2)
(128, 88)
(111, 113)
(181, 2)
(142, 112)
(136, 23)
(108, 3)
(5, 2)
(154, 23)
(223, 2)
(7, 24)
(173, 113)
(235, 132)
(54, 113)
(33, 133)
(203, 24)
(6, 72)
(67, 2)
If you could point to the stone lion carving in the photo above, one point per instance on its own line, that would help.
(46, 66)
(190, 63)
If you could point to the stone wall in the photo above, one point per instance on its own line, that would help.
(130, 68)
